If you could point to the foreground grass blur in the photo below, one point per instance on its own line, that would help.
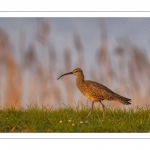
(67, 120)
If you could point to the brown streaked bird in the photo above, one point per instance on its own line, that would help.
(96, 92)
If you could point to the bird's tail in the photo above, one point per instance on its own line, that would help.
(123, 100)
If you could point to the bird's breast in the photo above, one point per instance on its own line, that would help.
(86, 91)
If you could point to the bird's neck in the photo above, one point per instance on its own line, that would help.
(79, 79)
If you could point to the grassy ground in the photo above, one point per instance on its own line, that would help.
(69, 120)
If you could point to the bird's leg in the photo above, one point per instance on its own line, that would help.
(103, 109)
(91, 109)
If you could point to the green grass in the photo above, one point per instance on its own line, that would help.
(44, 120)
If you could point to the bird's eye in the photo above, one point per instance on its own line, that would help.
(76, 71)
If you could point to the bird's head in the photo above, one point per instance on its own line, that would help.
(77, 72)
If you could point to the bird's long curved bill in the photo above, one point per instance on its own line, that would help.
(65, 74)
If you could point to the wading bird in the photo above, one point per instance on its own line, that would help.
(96, 92)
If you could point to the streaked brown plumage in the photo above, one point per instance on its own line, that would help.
(95, 91)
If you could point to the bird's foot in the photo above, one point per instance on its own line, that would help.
(103, 118)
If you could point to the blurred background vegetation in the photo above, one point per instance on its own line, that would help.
(29, 72)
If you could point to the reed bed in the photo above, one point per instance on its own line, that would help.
(29, 74)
